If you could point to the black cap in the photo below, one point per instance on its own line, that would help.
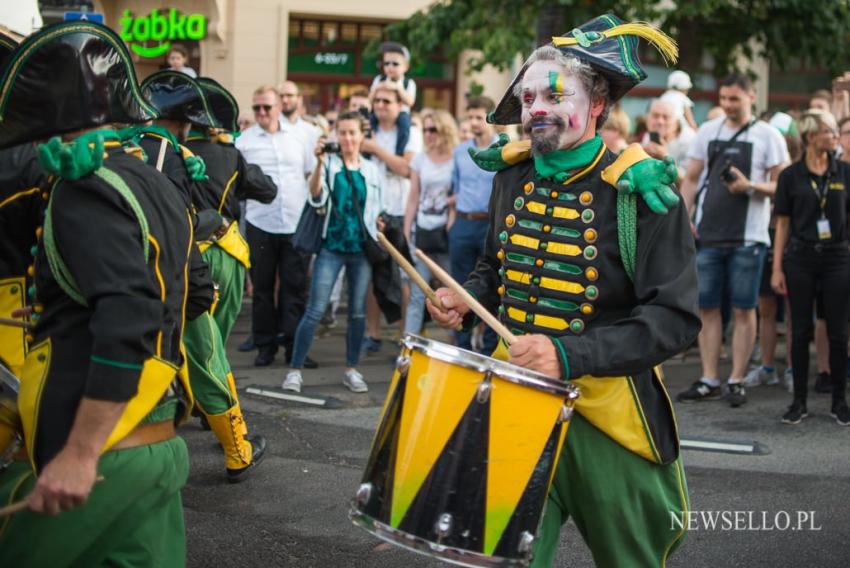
(222, 103)
(67, 77)
(178, 97)
(7, 46)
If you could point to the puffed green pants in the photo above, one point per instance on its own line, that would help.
(134, 517)
(620, 502)
(205, 337)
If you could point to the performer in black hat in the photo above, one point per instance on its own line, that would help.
(184, 104)
(599, 289)
(22, 190)
(112, 288)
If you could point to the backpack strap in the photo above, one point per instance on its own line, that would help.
(58, 267)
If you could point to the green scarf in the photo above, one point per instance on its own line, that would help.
(560, 164)
(77, 158)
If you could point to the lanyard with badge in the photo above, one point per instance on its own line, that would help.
(824, 231)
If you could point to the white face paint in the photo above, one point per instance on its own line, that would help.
(554, 120)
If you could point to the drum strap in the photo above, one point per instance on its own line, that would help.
(58, 267)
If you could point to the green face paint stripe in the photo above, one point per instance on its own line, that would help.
(520, 258)
(118, 364)
(12, 71)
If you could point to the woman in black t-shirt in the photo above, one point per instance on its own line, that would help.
(811, 219)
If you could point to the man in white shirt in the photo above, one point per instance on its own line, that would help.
(290, 111)
(386, 105)
(283, 154)
(731, 177)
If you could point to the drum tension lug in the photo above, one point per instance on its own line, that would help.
(364, 493)
(443, 526)
(566, 414)
(402, 364)
(526, 543)
(483, 394)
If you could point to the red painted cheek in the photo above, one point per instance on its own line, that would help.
(573, 121)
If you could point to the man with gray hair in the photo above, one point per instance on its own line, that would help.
(597, 288)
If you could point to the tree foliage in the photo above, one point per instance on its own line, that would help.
(814, 32)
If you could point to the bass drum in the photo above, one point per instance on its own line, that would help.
(463, 457)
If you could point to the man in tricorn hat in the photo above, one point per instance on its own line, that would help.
(599, 288)
(183, 105)
(112, 289)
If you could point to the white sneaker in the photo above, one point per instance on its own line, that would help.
(354, 381)
(759, 376)
(755, 356)
(293, 381)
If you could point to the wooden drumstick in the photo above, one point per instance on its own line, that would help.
(16, 323)
(473, 304)
(411, 271)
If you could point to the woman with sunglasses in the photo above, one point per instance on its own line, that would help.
(427, 218)
(811, 219)
(349, 187)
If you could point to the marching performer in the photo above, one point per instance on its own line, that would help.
(112, 288)
(183, 105)
(599, 288)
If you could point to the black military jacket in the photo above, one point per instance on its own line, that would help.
(231, 178)
(22, 186)
(136, 305)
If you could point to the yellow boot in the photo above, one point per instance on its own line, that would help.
(241, 454)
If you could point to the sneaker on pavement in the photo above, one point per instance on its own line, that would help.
(796, 413)
(755, 356)
(841, 414)
(354, 381)
(371, 346)
(823, 383)
(293, 381)
(699, 391)
(759, 375)
(737, 395)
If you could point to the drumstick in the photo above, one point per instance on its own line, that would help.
(473, 304)
(15, 323)
(411, 271)
(22, 504)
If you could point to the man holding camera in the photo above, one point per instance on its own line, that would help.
(731, 176)
(665, 135)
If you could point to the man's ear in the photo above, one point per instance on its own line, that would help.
(596, 107)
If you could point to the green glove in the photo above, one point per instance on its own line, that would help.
(652, 179)
(490, 159)
(73, 160)
(197, 168)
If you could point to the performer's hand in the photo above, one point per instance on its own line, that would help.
(777, 282)
(651, 179)
(456, 309)
(65, 483)
(24, 312)
(536, 352)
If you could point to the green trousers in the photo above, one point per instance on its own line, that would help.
(134, 517)
(229, 274)
(620, 502)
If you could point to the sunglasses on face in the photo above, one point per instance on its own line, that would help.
(430, 130)
(391, 63)
(383, 102)
(266, 108)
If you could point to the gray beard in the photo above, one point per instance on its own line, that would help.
(545, 143)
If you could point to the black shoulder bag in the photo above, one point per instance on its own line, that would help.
(308, 234)
(373, 251)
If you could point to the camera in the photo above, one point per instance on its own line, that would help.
(330, 148)
(655, 137)
(726, 174)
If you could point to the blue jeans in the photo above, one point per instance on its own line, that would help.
(415, 314)
(738, 269)
(466, 245)
(326, 268)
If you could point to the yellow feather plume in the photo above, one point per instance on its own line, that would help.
(665, 45)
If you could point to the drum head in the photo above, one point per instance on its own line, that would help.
(482, 363)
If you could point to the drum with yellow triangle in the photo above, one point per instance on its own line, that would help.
(464, 455)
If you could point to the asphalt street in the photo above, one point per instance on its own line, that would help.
(293, 511)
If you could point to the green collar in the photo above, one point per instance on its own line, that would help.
(558, 165)
(163, 132)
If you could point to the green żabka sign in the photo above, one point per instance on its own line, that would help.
(163, 26)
